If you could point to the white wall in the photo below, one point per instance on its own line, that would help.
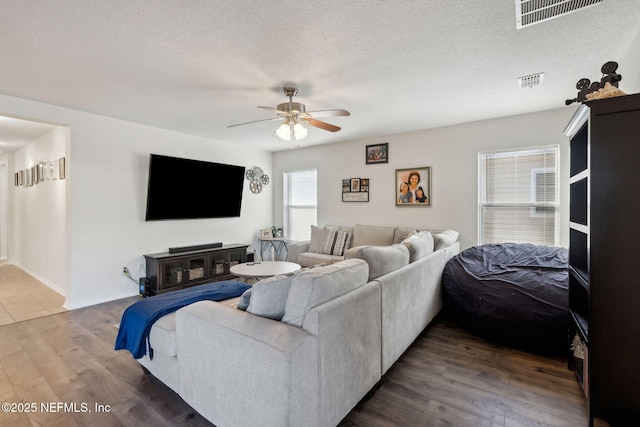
(629, 68)
(39, 214)
(452, 154)
(107, 173)
(6, 179)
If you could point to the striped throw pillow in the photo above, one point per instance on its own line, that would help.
(333, 242)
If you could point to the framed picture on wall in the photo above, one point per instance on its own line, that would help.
(413, 186)
(355, 190)
(377, 153)
(61, 166)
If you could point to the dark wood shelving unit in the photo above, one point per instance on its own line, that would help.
(168, 271)
(604, 240)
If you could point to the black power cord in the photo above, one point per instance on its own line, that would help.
(126, 272)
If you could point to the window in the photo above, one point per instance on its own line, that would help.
(300, 196)
(518, 196)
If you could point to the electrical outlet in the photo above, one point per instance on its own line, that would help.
(141, 268)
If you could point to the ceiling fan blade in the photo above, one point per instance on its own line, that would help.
(275, 110)
(322, 125)
(328, 113)
(256, 121)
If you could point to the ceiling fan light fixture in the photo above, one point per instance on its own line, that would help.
(284, 131)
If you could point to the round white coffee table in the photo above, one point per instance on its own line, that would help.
(264, 269)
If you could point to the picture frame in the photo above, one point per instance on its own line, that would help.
(61, 167)
(377, 153)
(280, 233)
(415, 179)
(355, 190)
(266, 233)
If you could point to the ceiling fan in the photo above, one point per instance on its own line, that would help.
(293, 115)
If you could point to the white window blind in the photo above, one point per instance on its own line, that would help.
(300, 196)
(518, 196)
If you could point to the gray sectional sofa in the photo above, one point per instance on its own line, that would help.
(309, 358)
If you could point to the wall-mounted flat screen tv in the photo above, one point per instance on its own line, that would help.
(192, 189)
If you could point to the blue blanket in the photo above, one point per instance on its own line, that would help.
(137, 319)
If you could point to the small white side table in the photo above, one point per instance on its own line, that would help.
(278, 244)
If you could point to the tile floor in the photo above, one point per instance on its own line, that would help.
(23, 297)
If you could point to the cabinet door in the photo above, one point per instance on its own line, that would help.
(218, 264)
(237, 257)
(196, 268)
(172, 274)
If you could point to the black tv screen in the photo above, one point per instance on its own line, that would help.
(191, 189)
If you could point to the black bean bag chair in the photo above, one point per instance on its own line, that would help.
(514, 294)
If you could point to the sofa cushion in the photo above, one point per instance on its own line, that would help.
(269, 297)
(419, 245)
(364, 235)
(162, 337)
(319, 285)
(443, 239)
(381, 259)
(401, 233)
(308, 259)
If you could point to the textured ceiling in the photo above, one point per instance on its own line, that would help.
(198, 66)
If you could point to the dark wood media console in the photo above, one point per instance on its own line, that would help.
(170, 271)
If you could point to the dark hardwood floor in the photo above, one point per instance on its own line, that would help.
(447, 378)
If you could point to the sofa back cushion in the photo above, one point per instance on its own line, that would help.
(371, 235)
(269, 297)
(381, 259)
(319, 285)
(419, 245)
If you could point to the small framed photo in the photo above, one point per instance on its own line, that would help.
(265, 233)
(280, 233)
(355, 185)
(377, 153)
(413, 187)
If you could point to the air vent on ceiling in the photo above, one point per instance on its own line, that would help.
(530, 81)
(529, 12)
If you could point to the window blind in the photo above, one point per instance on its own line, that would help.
(518, 196)
(300, 196)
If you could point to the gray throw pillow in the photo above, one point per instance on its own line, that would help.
(444, 239)
(316, 237)
(269, 297)
(401, 233)
(420, 245)
(243, 302)
(319, 285)
(381, 259)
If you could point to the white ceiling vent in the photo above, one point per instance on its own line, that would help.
(529, 12)
(530, 81)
